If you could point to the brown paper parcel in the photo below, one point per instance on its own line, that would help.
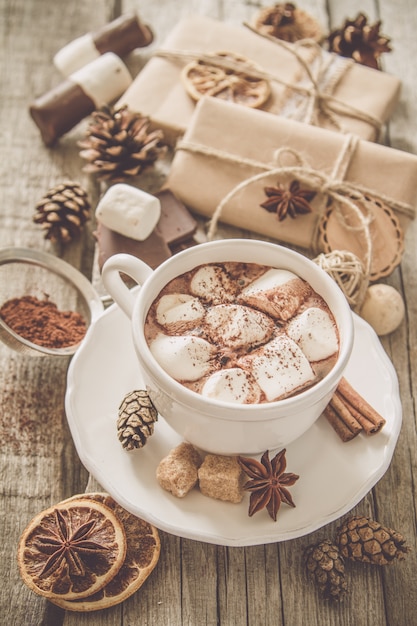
(227, 144)
(159, 93)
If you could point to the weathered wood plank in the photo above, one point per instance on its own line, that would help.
(38, 462)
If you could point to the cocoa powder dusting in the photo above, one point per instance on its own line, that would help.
(42, 323)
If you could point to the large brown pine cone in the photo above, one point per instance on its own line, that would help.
(366, 540)
(118, 144)
(360, 41)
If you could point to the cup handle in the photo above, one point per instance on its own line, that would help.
(117, 288)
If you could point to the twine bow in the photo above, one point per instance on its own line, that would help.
(320, 101)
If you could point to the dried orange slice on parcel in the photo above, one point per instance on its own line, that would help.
(143, 550)
(201, 78)
(72, 549)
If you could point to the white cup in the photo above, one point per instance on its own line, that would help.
(215, 426)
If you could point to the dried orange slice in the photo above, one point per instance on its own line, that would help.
(143, 550)
(72, 549)
(202, 78)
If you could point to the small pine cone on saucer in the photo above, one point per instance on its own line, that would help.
(325, 566)
(366, 540)
(118, 144)
(62, 212)
(136, 418)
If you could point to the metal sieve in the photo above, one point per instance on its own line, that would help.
(47, 277)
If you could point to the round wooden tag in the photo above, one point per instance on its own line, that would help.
(340, 230)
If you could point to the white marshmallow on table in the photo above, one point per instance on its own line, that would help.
(315, 333)
(280, 368)
(129, 211)
(232, 385)
(185, 358)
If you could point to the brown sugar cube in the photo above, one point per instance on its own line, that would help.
(221, 477)
(177, 472)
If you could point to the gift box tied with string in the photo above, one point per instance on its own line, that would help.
(365, 194)
(305, 82)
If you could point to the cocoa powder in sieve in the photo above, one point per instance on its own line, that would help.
(42, 323)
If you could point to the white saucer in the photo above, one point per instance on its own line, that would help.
(334, 476)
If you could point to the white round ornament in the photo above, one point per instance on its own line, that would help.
(383, 308)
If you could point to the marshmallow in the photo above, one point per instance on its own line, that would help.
(120, 36)
(179, 309)
(212, 284)
(97, 83)
(129, 211)
(278, 293)
(232, 385)
(280, 368)
(315, 333)
(271, 279)
(237, 326)
(185, 358)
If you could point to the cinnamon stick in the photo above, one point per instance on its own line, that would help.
(338, 424)
(338, 404)
(370, 420)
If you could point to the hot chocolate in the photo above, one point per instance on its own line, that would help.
(242, 332)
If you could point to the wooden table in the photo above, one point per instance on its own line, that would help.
(194, 583)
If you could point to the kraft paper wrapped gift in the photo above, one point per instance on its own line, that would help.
(230, 153)
(359, 99)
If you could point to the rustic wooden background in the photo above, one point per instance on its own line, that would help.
(194, 583)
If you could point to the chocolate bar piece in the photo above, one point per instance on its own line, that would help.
(174, 232)
(152, 250)
(176, 223)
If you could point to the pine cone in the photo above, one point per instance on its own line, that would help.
(62, 212)
(287, 22)
(360, 41)
(118, 144)
(136, 419)
(363, 539)
(325, 566)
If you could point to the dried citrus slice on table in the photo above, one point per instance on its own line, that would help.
(142, 555)
(203, 78)
(71, 550)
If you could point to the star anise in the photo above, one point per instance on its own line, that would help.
(288, 200)
(268, 483)
(66, 544)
